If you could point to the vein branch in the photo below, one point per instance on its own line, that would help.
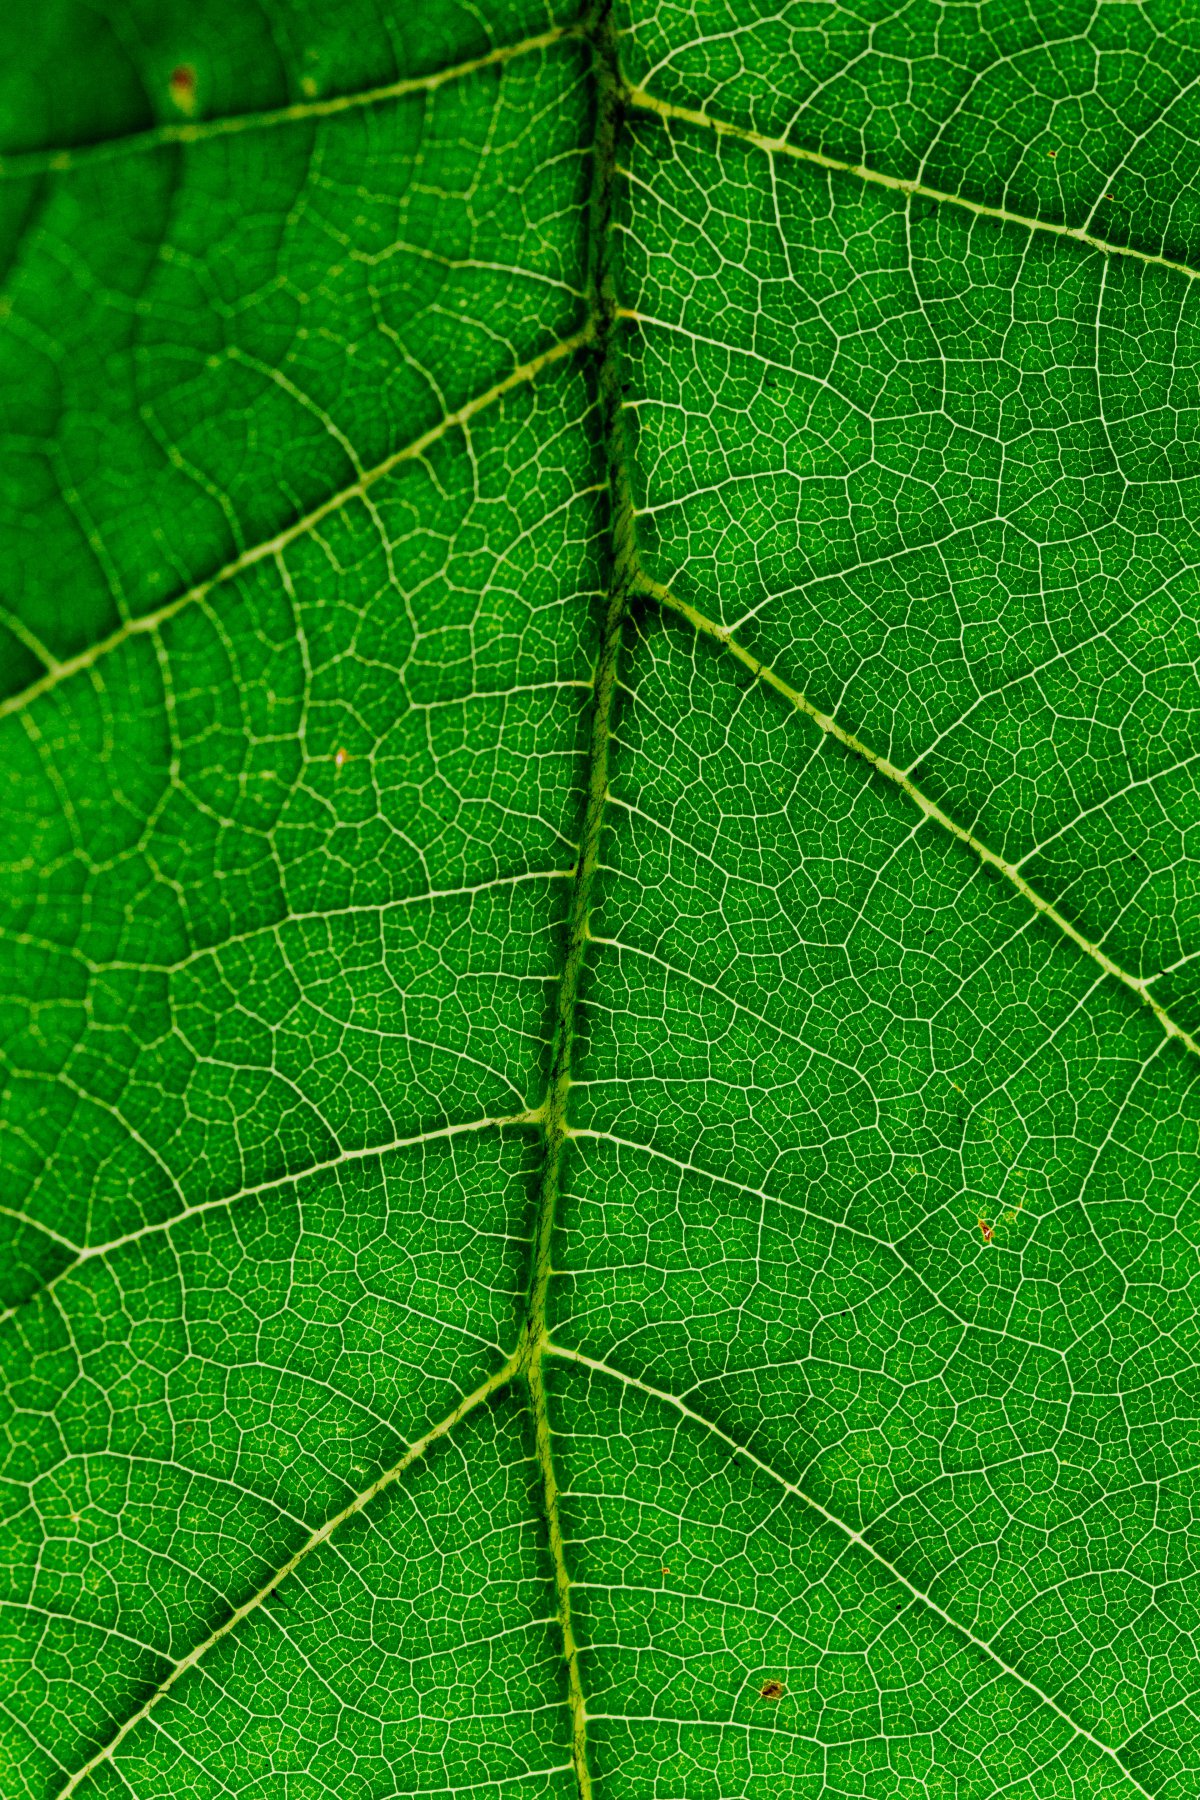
(313, 1542)
(145, 624)
(642, 101)
(1139, 986)
(855, 1537)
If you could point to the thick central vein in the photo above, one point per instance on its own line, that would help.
(624, 96)
(622, 582)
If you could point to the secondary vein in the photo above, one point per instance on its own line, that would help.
(313, 1542)
(1137, 985)
(145, 624)
(81, 1254)
(856, 1537)
(643, 101)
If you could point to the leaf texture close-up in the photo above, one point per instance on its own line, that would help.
(600, 693)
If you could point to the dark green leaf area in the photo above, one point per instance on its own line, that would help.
(186, 376)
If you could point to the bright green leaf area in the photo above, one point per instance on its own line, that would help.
(599, 643)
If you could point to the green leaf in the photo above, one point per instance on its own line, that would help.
(599, 644)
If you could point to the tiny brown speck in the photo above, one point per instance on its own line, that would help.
(182, 87)
(771, 1690)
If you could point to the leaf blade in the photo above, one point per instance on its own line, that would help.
(849, 1066)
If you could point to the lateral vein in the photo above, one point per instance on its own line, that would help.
(147, 623)
(86, 1253)
(1137, 985)
(59, 160)
(855, 1537)
(320, 1536)
(644, 101)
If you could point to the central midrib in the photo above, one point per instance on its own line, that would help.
(622, 581)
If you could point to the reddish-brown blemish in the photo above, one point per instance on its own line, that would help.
(986, 1230)
(771, 1690)
(182, 86)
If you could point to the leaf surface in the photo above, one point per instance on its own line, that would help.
(600, 936)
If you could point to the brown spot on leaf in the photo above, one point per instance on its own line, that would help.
(182, 88)
(771, 1690)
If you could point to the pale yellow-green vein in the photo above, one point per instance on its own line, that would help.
(59, 160)
(1138, 986)
(642, 101)
(145, 624)
(258, 1599)
(859, 1538)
